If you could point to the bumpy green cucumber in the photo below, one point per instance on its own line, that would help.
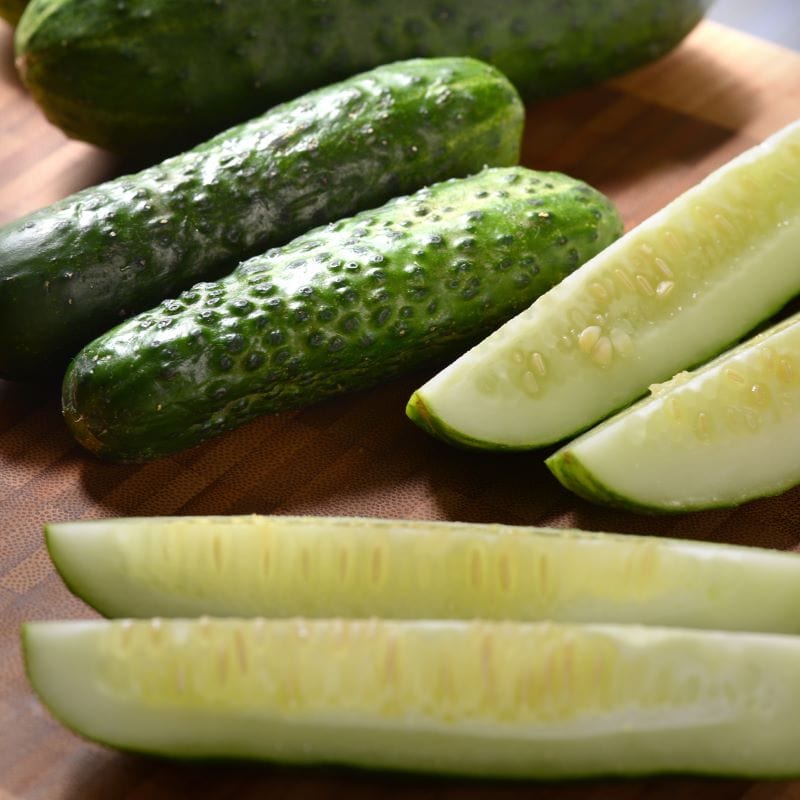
(674, 291)
(498, 699)
(72, 271)
(339, 308)
(722, 435)
(132, 74)
(11, 10)
(358, 567)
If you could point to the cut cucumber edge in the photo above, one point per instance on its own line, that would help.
(420, 414)
(481, 400)
(72, 573)
(572, 475)
(743, 726)
(579, 470)
(192, 566)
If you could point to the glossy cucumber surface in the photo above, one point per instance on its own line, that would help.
(139, 74)
(77, 268)
(340, 308)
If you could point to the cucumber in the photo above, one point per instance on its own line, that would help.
(672, 292)
(723, 435)
(77, 268)
(473, 698)
(11, 10)
(360, 567)
(154, 74)
(339, 308)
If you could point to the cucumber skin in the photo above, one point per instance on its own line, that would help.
(574, 477)
(11, 10)
(338, 309)
(156, 74)
(77, 268)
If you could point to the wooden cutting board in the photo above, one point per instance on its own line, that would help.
(642, 139)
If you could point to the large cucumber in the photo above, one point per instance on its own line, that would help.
(153, 73)
(339, 308)
(354, 567)
(475, 698)
(720, 436)
(677, 289)
(72, 271)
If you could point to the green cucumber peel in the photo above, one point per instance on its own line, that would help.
(158, 74)
(340, 308)
(73, 270)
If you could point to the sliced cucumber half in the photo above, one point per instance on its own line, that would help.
(359, 567)
(669, 294)
(724, 434)
(475, 698)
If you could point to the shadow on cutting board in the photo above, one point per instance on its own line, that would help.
(108, 774)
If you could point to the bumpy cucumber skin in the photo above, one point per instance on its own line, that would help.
(11, 10)
(340, 308)
(141, 74)
(77, 268)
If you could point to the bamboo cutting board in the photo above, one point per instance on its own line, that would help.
(642, 139)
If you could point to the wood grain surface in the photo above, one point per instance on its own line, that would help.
(643, 139)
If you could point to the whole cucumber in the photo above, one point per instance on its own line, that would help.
(134, 74)
(339, 308)
(77, 268)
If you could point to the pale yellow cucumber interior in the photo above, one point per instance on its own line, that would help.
(722, 435)
(478, 698)
(359, 567)
(675, 290)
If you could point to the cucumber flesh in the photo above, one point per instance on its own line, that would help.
(474, 698)
(674, 291)
(725, 434)
(359, 567)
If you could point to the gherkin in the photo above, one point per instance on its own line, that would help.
(73, 270)
(339, 308)
(142, 74)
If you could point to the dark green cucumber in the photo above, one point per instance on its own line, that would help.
(129, 75)
(72, 271)
(11, 10)
(340, 308)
